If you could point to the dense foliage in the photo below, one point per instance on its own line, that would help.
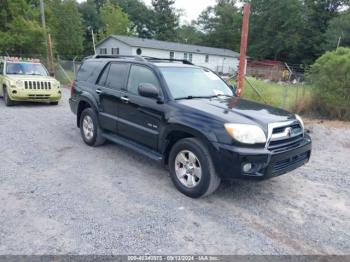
(331, 77)
(294, 31)
(65, 25)
(113, 21)
(20, 31)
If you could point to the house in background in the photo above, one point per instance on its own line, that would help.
(222, 61)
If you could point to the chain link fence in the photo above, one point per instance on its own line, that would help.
(289, 92)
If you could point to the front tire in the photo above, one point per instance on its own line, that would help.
(191, 168)
(7, 99)
(89, 128)
(54, 103)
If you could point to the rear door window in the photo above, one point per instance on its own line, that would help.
(103, 77)
(89, 71)
(117, 75)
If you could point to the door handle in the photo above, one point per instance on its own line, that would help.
(125, 99)
(98, 91)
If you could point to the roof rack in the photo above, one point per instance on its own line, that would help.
(148, 58)
(142, 58)
(137, 58)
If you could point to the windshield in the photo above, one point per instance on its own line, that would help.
(24, 68)
(186, 82)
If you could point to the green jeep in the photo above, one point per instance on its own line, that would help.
(27, 81)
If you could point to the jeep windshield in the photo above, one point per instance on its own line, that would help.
(191, 82)
(25, 68)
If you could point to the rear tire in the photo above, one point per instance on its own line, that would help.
(7, 99)
(191, 168)
(90, 129)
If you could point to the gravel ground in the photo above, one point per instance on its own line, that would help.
(59, 196)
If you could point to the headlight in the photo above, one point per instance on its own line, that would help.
(300, 120)
(19, 83)
(57, 84)
(247, 134)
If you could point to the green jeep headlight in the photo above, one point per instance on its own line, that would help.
(19, 83)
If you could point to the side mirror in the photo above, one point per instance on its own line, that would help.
(52, 74)
(148, 90)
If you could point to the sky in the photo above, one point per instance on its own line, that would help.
(191, 8)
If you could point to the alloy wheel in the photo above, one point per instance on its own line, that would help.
(188, 168)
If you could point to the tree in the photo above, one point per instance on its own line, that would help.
(140, 15)
(316, 17)
(20, 32)
(331, 77)
(114, 21)
(275, 30)
(66, 28)
(221, 25)
(91, 21)
(166, 20)
(190, 34)
(338, 29)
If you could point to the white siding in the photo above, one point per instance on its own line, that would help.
(226, 65)
(113, 43)
(220, 64)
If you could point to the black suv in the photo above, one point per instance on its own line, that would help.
(187, 118)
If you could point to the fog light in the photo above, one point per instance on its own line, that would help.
(247, 167)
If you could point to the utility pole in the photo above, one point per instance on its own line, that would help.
(93, 38)
(339, 41)
(43, 24)
(243, 51)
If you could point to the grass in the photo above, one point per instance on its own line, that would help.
(295, 98)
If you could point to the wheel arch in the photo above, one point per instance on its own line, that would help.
(177, 132)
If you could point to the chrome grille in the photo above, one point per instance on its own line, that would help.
(37, 85)
(284, 136)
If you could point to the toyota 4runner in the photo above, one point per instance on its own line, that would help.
(187, 118)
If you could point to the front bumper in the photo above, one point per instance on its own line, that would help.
(229, 160)
(52, 95)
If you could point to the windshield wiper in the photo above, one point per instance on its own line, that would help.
(194, 97)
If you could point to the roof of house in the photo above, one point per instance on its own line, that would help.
(171, 46)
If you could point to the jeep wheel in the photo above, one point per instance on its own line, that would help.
(89, 128)
(191, 168)
(54, 103)
(7, 99)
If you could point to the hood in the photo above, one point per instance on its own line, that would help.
(237, 110)
(30, 78)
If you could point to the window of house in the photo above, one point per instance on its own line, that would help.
(185, 56)
(139, 51)
(115, 51)
(103, 51)
(140, 75)
(172, 55)
(190, 57)
(117, 75)
(207, 58)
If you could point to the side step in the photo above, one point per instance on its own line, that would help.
(133, 146)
